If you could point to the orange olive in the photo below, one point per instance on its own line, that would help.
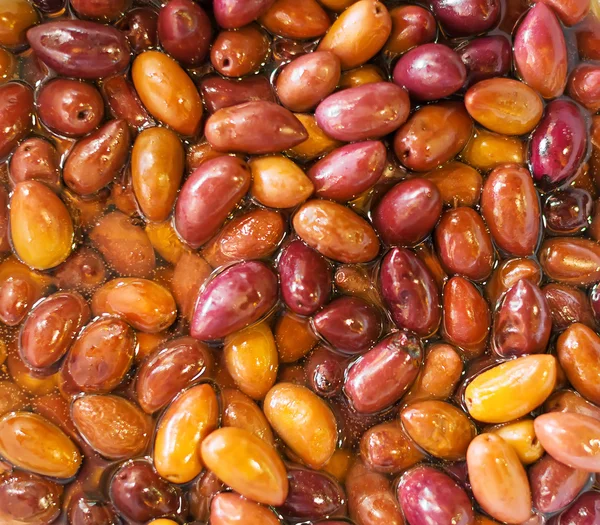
(167, 91)
(241, 411)
(157, 162)
(247, 464)
(16, 17)
(289, 407)
(165, 240)
(512, 389)
(40, 226)
(192, 416)
(251, 359)
(487, 150)
(294, 337)
(31, 442)
(520, 435)
(317, 144)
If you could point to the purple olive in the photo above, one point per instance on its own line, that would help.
(140, 494)
(76, 48)
(324, 371)
(349, 324)
(568, 212)
(555, 485)
(16, 110)
(486, 57)
(379, 378)
(429, 496)
(370, 111)
(234, 299)
(349, 171)
(185, 32)
(312, 495)
(430, 72)
(523, 321)
(305, 278)
(408, 212)
(208, 196)
(568, 305)
(410, 292)
(231, 14)
(466, 17)
(585, 510)
(84, 511)
(558, 144)
(218, 92)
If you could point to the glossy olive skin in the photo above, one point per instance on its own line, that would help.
(365, 112)
(241, 52)
(379, 378)
(41, 228)
(349, 324)
(411, 26)
(523, 321)
(583, 511)
(254, 127)
(93, 50)
(427, 495)
(128, 491)
(430, 72)
(307, 80)
(51, 328)
(312, 495)
(348, 171)
(433, 135)
(358, 33)
(577, 349)
(570, 439)
(410, 292)
(540, 52)
(498, 479)
(35, 159)
(16, 108)
(558, 144)
(466, 316)
(408, 212)
(197, 216)
(184, 30)
(140, 26)
(95, 160)
(218, 92)
(486, 57)
(324, 370)
(466, 18)
(253, 235)
(573, 261)
(27, 498)
(229, 508)
(582, 86)
(233, 299)
(568, 212)
(167, 92)
(231, 14)
(336, 232)
(104, 337)
(464, 244)
(555, 485)
(305, 278)
(170, 369)
(371, 500)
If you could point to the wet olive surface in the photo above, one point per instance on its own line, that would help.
(276, 261)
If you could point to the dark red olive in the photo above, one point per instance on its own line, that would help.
(349, 324)
(184, 31)
(410, 292)
(466, 17)
(140, 494)
(486, 57)
(569, 305)
(140, 26)
(312, 495)
(568, 212)
(218, 92)
(324, 371)
(305, 277)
